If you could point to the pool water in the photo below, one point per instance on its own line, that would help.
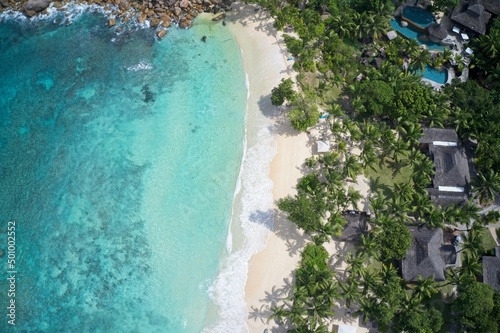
(418, 16)
(434, 75)
(412, 33)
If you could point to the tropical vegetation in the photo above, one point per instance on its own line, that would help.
(375, 111)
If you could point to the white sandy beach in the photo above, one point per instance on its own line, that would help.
(270, 270)
(265, 64)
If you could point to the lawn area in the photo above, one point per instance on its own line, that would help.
(487, 240)
(386, 175)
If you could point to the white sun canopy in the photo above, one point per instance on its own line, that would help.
(323, 147)
(347, 329)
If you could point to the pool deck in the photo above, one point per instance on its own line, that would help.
(456, 44)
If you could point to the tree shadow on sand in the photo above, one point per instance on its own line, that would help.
(273, 298)
(264, 218)
(281, 123)
(294, 238)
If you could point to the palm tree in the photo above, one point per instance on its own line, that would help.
(368, 156)
(489, 44)
(353, 197)
(447, 55)
(375, 26)
(419, 60)
(368, 306)
(350, 291)
(378, 203)
(352, 168)
(469, 212)
(422, 204)
(425, 288)
(472, 242)
(343, 25)
(355, 263)
(399, 150)
(471, 266)
(410, 46)
(485, 186)
(433, 217)
(388, 273)
(403, 191)
(370, 280)
(411, 132)
(423, 169)
(368, 245)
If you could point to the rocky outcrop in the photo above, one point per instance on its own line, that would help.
(34, 6)
(159, 13)
(161, 33)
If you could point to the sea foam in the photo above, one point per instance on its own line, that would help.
(256, 220)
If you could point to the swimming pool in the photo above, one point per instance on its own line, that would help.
(417, 16)
(435, 75)
(412, 33)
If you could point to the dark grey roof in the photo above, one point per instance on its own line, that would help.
(449, 254)
(493, 6)
(437, 31)
(491, 270)
(451, 166)
(427, 256)
(357, 224)
(445, 199)
(439, 134)
(472, 15)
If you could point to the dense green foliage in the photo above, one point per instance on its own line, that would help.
(283, 92)
(378, 109)
(478, 307)
(487, 55)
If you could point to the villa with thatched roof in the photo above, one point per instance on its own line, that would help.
(491, 270)
(451, 182)
(473, 15)
(428, 255)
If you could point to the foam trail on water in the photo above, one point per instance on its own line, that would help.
(256, 219)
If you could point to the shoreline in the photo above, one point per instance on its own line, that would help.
(269, 261)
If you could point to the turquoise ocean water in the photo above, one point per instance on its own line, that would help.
(119, 159)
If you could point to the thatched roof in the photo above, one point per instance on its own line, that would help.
(357, 225)
(437, 31)
(445, 199)
(493, 6)
(451, 166)
(439, 134)
(451, 180)
(491, 270)
(472, 15)
(427, 255)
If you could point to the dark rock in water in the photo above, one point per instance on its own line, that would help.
(148, 94)
(36, 5)
(204, 39)
(224, 23)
